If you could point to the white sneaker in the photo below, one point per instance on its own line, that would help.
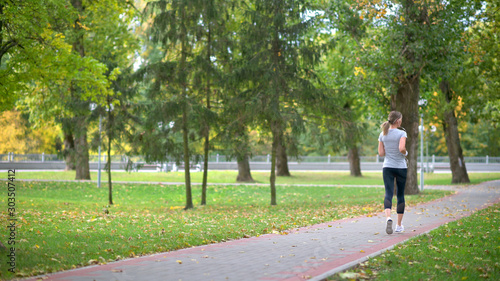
(388, 228)
(399, 228)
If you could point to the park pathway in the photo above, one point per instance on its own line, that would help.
(309, 253)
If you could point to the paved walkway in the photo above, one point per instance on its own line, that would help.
(307, 253)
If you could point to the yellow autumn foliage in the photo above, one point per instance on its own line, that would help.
(12, 132)
(359, 70)
(16, 136)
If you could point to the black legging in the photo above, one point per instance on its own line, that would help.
(389, 174)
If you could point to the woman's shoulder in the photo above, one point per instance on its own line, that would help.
(401, 132)
(396, 132)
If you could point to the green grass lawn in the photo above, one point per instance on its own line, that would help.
(467, 249)
(63, 225)
(341, 178)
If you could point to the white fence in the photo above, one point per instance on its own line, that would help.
(216, 158)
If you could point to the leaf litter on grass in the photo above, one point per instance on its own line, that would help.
(459, 250)
(64, 225)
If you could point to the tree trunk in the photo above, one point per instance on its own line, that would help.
(244, 174)
(275, 131)
(9, 43)
(205, 168)
(450, 126)
(277, 88)
(281, 159)
(1, 31)
(109, 129)
(109, 167)
(354, 162)
(408, 88)
(69, 150)
(207, 127)
(241, 151)
(78, 44)
(81, 146)
(82, 150)
(352, 145)
(182, 76)
(406, 101)
(187, 176)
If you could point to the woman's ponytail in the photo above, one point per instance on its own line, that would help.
(385, 127)
(393, 117)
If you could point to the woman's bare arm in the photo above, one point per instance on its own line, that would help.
(381, 149)
(402, 145)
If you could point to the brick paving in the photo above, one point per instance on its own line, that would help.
(311, 253)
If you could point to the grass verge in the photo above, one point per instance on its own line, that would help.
(467, 249)
(64, 225)
(298, 177)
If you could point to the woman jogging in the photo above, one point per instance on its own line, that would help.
(392, 145)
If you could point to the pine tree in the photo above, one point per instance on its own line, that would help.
(211, 47)
(277, 59)
(176, 30)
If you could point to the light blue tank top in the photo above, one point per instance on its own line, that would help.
(393, 157)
